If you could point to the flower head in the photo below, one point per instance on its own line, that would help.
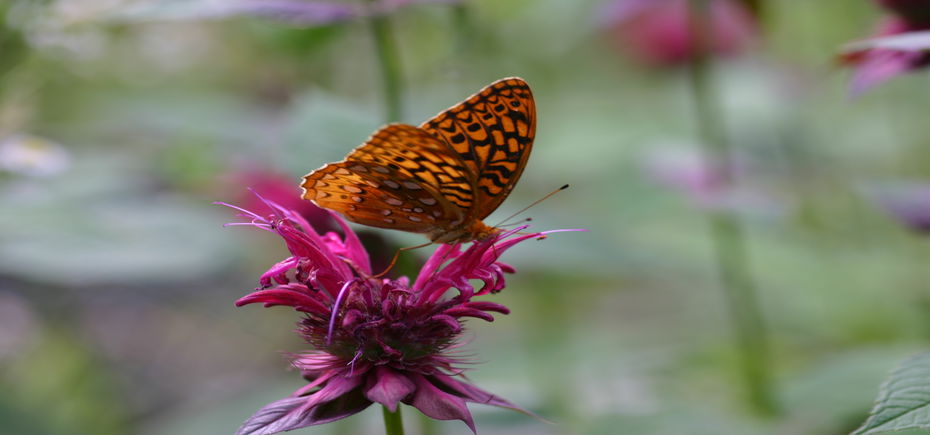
(376, 340)
(659, 32)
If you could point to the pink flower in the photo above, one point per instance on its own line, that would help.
(687, 172)
(906, 201)
(659, 32)
(376, 340)
(876, 61)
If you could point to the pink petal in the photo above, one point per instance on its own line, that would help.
(474, 394)
(291, 298)
(450, 321)
(879, 66)
(468, 312)
(277, 272)
(355, 251)
(338, 399)
(439, 405)
(388, 387)
(488, 306)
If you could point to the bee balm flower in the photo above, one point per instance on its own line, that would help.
(376, 340)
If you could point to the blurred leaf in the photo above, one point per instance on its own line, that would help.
(904, 400)
(103, 223)
(13, 46)
(58, 387)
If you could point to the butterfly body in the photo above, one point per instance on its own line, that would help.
(441, 178)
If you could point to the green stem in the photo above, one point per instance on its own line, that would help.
(427, 426)
(393, 425)
(389, 62)
(725, 229)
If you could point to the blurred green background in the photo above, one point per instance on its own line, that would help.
(117, 279)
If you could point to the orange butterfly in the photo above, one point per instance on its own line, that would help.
(441, 178)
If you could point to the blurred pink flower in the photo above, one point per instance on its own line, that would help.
(688, 172)
(659, 32)
(908, 202)
(375, 340)
(875, 61)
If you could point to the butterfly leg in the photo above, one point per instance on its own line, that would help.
(397, 255)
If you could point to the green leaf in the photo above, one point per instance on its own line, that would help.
(904, 399)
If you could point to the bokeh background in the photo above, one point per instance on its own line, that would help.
(122, 121)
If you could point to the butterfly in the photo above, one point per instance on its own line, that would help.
(441, 178)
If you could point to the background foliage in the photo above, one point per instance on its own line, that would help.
(117, 278)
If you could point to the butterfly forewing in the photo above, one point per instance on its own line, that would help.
(492, 132)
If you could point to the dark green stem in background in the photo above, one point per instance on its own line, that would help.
(393, 425)
(725, 229)
(389, 61)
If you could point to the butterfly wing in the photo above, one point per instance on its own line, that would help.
(401, 178)
(492, 132)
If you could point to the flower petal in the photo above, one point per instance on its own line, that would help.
(488, 306)
(354, 250)
(437, 404)
(474, 394)
(260, 423)
(879, 66)
(278, 272)
(283, 296)
(388, 387)
(338, 399)
(469, 312)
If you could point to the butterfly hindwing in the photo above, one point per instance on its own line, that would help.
(399, 179)
(408, 152)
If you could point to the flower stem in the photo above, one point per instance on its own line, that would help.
(393, 425)
(389, 62)
(725, 229)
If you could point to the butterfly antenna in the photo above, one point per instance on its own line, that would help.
(533, 204)
(397, 255)
(521, 221)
